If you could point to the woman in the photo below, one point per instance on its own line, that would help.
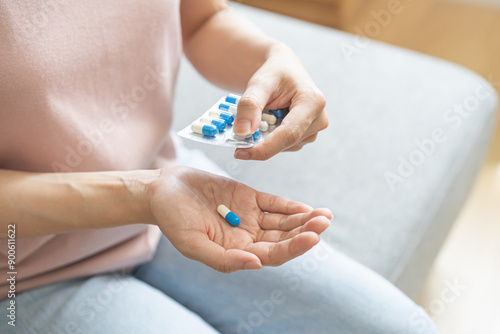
(90, 184)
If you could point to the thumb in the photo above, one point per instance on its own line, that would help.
(251, 105)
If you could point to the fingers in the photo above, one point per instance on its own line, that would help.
(317, 225)
(209, 253)
(310, 139)
(272, 221)
(275, 254)
(301, 145)
(277, 204)
(302, 124)
(252, 103)
(295, 148)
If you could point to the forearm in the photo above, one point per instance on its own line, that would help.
(228, 49)
(51, 203)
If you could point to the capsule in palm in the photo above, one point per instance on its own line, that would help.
(228, 215)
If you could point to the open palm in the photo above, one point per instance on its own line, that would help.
(273, 230)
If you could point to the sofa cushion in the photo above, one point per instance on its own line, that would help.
(408, 133)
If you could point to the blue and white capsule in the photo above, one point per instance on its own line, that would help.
(228, 107)
(204, 129)
(263, 126)
(270, 119)
(218, 122)
(256, 135)
(233, 98)
(228, 215)
(277, 112)
(228, 117)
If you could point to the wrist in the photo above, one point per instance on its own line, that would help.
(53, 203)
(280, 50)
(137, 188)
(113, 198)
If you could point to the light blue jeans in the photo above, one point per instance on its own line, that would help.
(320, 292)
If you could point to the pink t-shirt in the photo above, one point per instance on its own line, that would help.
(85, 86)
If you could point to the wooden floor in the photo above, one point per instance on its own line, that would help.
(468, 35)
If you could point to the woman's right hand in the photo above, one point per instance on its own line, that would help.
(273, 230)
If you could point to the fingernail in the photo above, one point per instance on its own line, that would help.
(253, 266)
(243, 128)
(242, 155)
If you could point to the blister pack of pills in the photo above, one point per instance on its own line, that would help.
(215, 126)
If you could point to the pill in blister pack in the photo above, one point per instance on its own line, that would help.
(232, 108)
(204, 129)
(219, 123)
(278, 113)
(269, 118)
(215, 126)
(264, 126)
(232, 98)
(228, 117)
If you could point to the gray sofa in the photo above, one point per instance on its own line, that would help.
(408, 134)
